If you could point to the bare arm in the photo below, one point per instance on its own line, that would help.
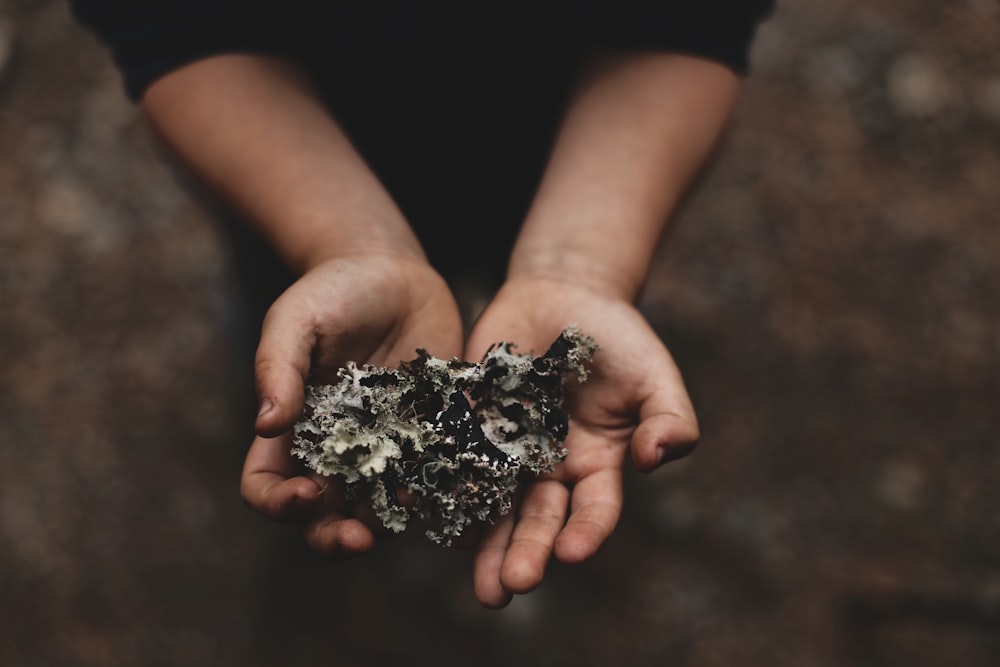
(253, 130)
(634, 137)
(637, 133)
(251, 127)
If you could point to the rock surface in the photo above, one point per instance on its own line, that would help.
(830, 293)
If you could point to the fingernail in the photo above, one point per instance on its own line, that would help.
(661, 455)
(265, 407)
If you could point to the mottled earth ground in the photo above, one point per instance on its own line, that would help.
(830, 293)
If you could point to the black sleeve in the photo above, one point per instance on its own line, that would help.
(149, 38)
(719, 30)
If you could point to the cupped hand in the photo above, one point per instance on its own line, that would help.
(376, 309)
(634, 401)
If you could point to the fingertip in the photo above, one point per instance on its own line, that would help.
(339, 536)
(493, 596)
(675, 451)
(281, 367)
(356, 537)
(280, 408)
(488, 563)
(489, 591)
(270, 427)
(307, 494)
(264, 418)
(520, 574)
(663, 438)
(280, 499)
(573, 548)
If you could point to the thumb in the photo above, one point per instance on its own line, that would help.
(281, 368)
(668, 428)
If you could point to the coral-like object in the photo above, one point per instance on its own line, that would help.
(455, 434)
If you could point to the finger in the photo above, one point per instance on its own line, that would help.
(663, 437)
(270, 483)
(595, 508)
(489, 561)
(542, 515)
(333, 534)
(281, 367)
(668, 427)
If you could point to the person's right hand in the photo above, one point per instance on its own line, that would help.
(375, 309)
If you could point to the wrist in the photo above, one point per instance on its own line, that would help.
(330, 250)
(323, 250)
(308, 236)
(572, 266)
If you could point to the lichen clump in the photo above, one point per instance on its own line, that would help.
(456, 435)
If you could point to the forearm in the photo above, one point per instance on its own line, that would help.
(254, 131)
(635, 136)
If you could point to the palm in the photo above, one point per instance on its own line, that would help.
(634, 398)
(372, 310)
(375, 310)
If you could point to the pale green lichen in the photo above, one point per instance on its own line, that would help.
(454, 434)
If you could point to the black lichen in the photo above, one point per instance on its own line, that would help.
(455, 435)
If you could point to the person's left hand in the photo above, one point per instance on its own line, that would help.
(634, 400)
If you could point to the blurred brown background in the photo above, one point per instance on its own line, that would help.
(830, 293)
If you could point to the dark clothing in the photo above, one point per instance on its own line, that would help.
(152, 37)
(453, 103)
